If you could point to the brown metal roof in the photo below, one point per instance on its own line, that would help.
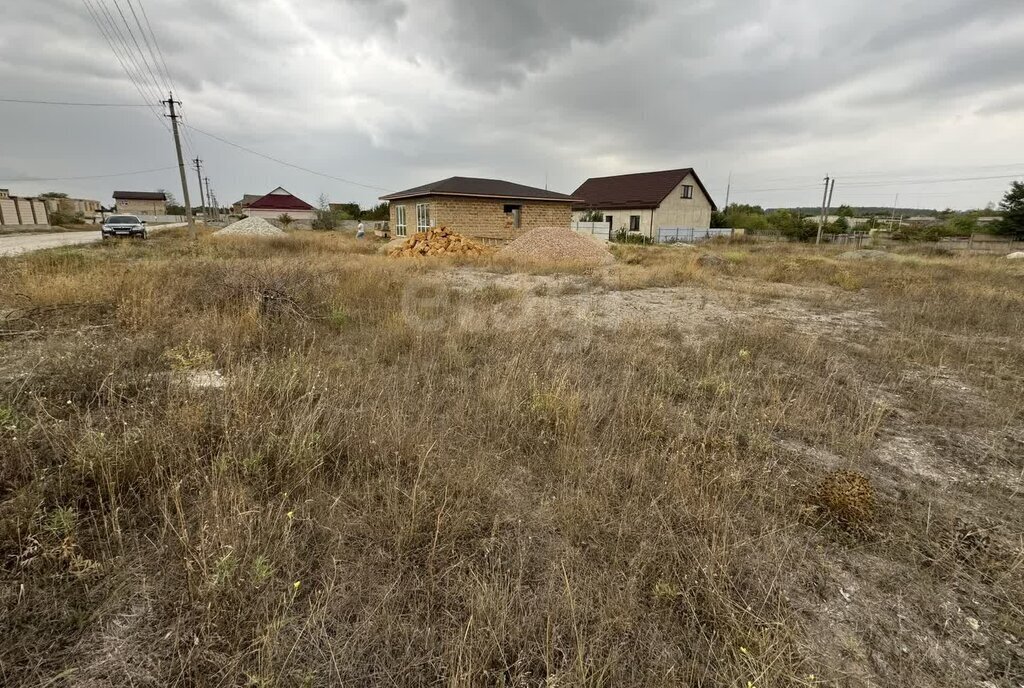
(480, 188)
(628, 191)
(139, 196)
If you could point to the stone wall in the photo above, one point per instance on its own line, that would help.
(484, 218)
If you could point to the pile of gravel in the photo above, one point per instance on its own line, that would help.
(557, 245)
(250, 226)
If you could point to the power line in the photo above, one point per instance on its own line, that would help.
(282, 162)
(141, 55)
(93, 176)
(882, 173)
(166, 74)
(138, 76)
(898, 182)
(61, 102)
(887, 182)
(149, 46)
(159, 50)
(108, 37)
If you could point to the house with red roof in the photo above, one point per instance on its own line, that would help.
(280, 202)
(646, 202)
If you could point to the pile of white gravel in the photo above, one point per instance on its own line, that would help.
(250, 226)
(557, 245)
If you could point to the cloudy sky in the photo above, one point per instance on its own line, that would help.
(924, 98)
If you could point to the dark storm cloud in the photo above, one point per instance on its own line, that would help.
(493, 42)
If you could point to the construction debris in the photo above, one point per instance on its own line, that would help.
(557, 245)
(437, 242)
(250, 226)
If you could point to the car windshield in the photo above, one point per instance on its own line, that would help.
(122, 220)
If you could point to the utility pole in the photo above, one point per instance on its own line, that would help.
(210, 201)
(821, 218)
(170, 103)
(828, 206)
(892, 220)
(728, 189)
(199, 173)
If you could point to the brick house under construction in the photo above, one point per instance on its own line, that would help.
(481, 208)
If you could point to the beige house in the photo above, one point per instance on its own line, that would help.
(483, 208)
(646, 202)
(140, 202)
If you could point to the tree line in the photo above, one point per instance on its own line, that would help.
(800, 225)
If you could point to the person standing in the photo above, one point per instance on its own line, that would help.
(360, 230)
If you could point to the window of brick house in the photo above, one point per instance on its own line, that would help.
(400, 226)
(634, 223)
(687, 191)
(422, 216)
(516, 211)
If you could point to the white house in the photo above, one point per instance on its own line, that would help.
(647, 201)
(279, 202)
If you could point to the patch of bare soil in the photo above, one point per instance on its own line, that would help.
(688, 308)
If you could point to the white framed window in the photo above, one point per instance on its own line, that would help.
(400, 226)
(422, 216)
(687, 191)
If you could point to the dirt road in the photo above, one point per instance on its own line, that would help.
(14, 244)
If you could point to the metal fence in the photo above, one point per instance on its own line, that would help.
(689, 235)
(601, 230)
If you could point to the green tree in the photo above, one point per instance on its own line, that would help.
(791, 224)
(326, 217)
(1012, 206)
(963, 225)
(845, 211)
(840, 226)
(378, 213)
(592, 216)
(347, 211)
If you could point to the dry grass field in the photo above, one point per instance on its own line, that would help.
(294, 462)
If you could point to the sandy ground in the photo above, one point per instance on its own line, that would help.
(13, 245)
(577, 303)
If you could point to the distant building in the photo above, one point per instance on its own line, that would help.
(482, 208)
(238, 207)
(647, 201)
(16, 211)
(280, 202)
(140, 202)
(71, 206)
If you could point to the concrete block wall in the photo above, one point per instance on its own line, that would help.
(39, 208)
(8, 212)
(484, 218)
(25, 211)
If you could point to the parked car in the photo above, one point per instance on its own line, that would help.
(123, 225)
